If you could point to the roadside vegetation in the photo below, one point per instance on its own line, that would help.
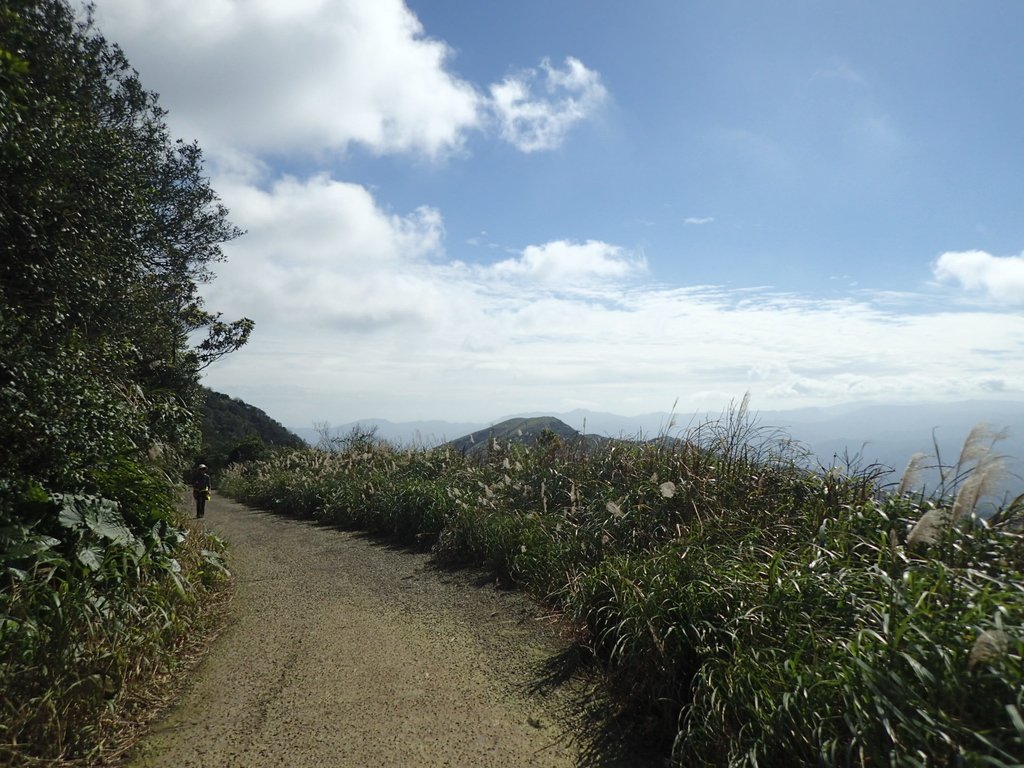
(748, 610)
(107, 227)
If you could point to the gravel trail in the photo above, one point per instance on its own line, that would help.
(342, 651)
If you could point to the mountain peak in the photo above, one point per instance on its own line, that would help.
(525, 430)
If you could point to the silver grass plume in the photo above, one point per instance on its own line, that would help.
(990, 645)
(978, 445)
(987, 473)
(911, 472)
(929, 529)
(974, 445)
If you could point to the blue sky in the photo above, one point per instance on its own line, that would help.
(467, 210)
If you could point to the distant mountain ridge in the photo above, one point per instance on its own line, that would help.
(424, 434)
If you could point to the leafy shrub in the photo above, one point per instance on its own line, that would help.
(87, 609)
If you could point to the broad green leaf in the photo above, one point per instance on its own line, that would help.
(91, 558)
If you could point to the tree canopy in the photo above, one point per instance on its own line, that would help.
(107, 228)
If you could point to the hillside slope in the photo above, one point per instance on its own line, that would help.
(233, 430)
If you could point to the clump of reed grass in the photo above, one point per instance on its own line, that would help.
(977, 473)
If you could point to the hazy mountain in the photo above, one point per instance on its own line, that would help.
(890, 435)
(641, 427)
(882, 434)
(424, 434)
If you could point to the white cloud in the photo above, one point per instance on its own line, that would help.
(533, 122)
(483, 348)
(1000, 277)
(321, 252)
(565, 264)
(268, 77)
(265, 75)
(361, 313)
(842, 72)
(359, 310)
(698, 220)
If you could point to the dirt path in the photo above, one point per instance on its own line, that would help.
(342, 651)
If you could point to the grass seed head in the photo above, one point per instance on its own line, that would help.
(911, 473)
(984, 478)
(990, 646)
(929, 529)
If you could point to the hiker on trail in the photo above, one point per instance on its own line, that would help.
(201, 489)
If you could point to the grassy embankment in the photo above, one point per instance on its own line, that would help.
(101, 599)
(756, 612)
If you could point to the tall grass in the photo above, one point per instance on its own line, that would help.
(752, 611)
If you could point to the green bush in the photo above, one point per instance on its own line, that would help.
(107, 227)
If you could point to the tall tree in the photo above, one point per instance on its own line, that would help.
(107, 227)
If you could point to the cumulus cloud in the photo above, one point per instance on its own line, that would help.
(271, 76)
(320, 252)
(563, 263)
(1000, 277)
(533, 121)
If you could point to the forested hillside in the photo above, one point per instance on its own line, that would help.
(234, 430)
(108, 226)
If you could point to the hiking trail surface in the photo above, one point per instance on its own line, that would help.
(341, 650)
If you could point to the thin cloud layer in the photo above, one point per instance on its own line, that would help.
(533, 123)
(1001, 278)
(481, 350)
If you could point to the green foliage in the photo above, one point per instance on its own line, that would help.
(750, 611)
(106, 228)
(85, 614)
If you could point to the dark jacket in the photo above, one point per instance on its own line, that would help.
(200, 483)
